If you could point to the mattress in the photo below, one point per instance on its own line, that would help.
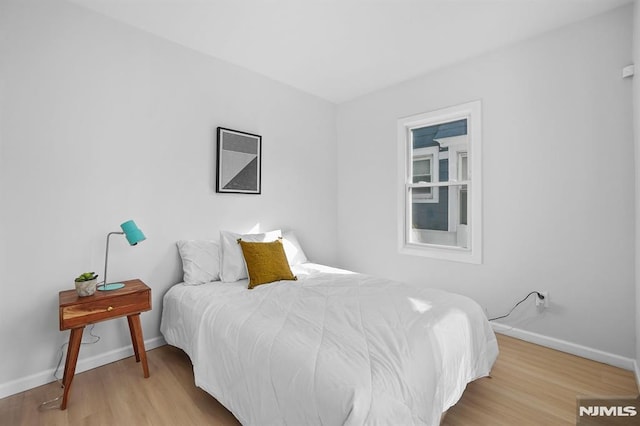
(332, 348)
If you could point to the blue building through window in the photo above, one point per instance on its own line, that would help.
(428, 214)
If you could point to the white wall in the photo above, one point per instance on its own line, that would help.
(100, 123)
(636, 122)
(558, 182)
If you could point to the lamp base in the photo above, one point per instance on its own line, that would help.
(111, 286)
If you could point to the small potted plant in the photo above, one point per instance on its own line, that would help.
(86, 284)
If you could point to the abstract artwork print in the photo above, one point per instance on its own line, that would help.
(238, 161)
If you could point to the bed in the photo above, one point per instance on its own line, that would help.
(332, 348)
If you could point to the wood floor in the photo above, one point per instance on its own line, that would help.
(530, 385)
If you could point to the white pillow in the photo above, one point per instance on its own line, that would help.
(200, 261)
(292, 249)
(233, 266)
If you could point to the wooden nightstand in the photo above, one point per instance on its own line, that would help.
(77, 312)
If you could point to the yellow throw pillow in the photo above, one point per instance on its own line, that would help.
(266, 262)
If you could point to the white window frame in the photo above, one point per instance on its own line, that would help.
(470, 111)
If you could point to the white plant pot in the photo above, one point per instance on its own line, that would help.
(86, 288)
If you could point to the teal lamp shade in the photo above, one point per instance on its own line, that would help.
(132, 232)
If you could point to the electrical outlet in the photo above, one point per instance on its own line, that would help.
(542, 303)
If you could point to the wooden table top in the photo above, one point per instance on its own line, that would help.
(70, 297)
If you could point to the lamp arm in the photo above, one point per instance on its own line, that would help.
(106, 255)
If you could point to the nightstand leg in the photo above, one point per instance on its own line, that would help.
(70, 365)
(134, 340)
(138, 341)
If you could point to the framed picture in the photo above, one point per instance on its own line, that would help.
(239, 162)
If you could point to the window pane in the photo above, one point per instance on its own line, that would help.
(429, 135)
(464, 194)
(421, 179)
(431, 223)
(463, 166)
(422, 167)
(422, 194)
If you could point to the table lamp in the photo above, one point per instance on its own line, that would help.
(134, 236)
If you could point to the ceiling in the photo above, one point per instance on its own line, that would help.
(341, 49)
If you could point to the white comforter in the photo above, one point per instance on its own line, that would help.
(332, 348)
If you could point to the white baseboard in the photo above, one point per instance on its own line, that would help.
(568, 347)
(637, 371)
(44, 377)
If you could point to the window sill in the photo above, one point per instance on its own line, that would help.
(456, 254)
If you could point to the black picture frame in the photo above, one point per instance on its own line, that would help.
(238, 162)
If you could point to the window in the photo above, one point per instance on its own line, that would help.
(439, 213)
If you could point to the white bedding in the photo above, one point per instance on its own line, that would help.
(332, 348)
